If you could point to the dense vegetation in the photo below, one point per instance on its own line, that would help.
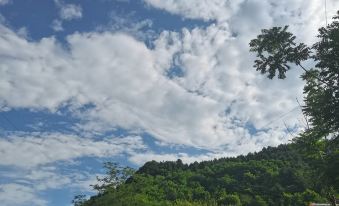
(274, 176)
(277, 52)
(295, 174)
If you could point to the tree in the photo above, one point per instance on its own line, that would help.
(270, 177)
(115, 176)
(276, 53)
(230, 200)
(276, 49)
(79, 200)
(258, 201)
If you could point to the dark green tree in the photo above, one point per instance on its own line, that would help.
(79, 200)
(270, 177)
(258, 201)
(230, 200)
(276, 52)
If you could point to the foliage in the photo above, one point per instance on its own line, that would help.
(79, 200)
(273, 176)
(230, 200)
(276, 51)
(115, 176)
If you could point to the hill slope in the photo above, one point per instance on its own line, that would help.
(274, 176)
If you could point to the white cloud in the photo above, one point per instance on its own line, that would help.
(125, 81)
(18, 194)
(27, 186)
(46, 178)
(36, 162)
(31, 150)
(287, 11)
(23, 32)
(70, 11)
(67, 12)
(203, 9)
(210, 106)
(128, 23)
(57, 25)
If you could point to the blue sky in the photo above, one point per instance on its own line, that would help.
(129, 81)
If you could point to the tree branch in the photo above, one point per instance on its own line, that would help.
(308, 71)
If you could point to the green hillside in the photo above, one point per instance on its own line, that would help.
(274, 176)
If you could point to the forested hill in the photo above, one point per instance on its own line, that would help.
(274, 176)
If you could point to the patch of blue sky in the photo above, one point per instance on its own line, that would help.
(37, 17)
(163, 20)
(34, 15)
(251, 128)
(175, 72)
(57, 197)
(293, 130)
(36, 121)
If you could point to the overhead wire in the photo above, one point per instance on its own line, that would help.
(280, 117)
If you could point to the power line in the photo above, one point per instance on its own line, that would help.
(280, 117)
(305, 117)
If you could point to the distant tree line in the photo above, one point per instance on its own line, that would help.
(274, 176)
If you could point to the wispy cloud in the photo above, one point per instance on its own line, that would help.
(70, 11)
(128, 86)
(3, 2)
(57, 25)
(18, 194)
(67, 12)
(34, 163)
(33, 149)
